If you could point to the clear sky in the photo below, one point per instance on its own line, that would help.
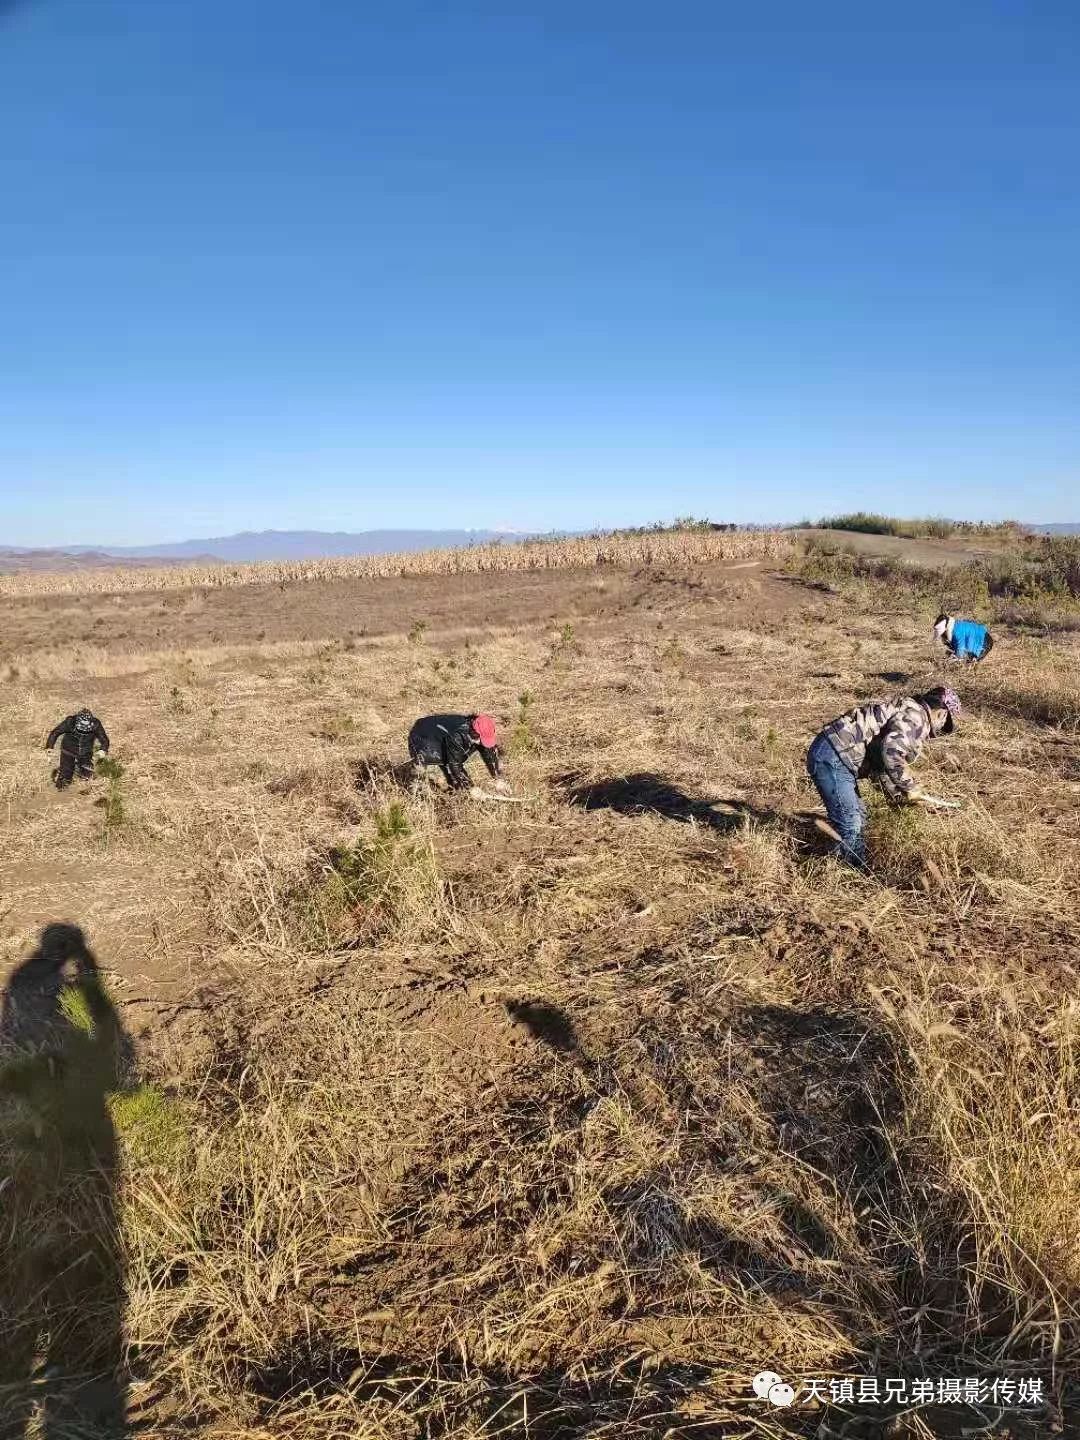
(346, 264)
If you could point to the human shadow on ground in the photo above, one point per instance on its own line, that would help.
(834, 1089)
(368, 773)
(546, 1023)
(371, 774)
(870, 1244)
(645, 793)
(62, 1287)
(893, 677)
(634, 1401)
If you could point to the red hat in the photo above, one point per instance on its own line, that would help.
(484, 729)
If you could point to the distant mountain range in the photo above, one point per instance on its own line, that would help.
(15, 558)
(247, 546)
(1067, 529)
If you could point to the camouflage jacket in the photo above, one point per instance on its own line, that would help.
(880, 740)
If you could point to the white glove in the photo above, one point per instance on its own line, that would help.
(931, 802)
(503, 787)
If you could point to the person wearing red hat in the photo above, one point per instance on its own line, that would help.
(448, 742)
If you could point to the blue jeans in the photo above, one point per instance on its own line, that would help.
(838, 788)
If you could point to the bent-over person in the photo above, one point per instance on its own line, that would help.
(878, 741)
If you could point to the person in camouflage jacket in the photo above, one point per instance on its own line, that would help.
(878, 741)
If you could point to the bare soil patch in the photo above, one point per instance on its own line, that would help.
(350, 611)
(927, 552)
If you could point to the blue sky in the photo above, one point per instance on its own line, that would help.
(341, 265)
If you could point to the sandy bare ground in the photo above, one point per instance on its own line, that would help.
(912, 552)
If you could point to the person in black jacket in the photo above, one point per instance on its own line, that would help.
(79, 732)
(449, 742)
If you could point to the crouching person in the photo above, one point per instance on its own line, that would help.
(442, 745)
(964, 639)
(77, 735)
(878, 741)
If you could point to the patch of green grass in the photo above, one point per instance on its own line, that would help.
(522, 739)
(372, 881)
(75, 1008)
(112, 802)
(935, 527)
(565, 646)
(152, 1127)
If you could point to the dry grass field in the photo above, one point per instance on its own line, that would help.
(460, 1121)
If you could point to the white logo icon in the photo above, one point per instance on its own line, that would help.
(770, 1386)
(764, 1382)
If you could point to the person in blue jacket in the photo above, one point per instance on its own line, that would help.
(964, 639)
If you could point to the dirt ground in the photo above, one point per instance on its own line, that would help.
(178, 700)
(955, 551)
(343, 610)
(605, 1057)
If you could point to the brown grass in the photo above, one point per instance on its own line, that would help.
(566, 1119)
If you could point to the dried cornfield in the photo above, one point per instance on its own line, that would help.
(666, 547)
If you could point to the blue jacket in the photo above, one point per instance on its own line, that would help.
(968, 639)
